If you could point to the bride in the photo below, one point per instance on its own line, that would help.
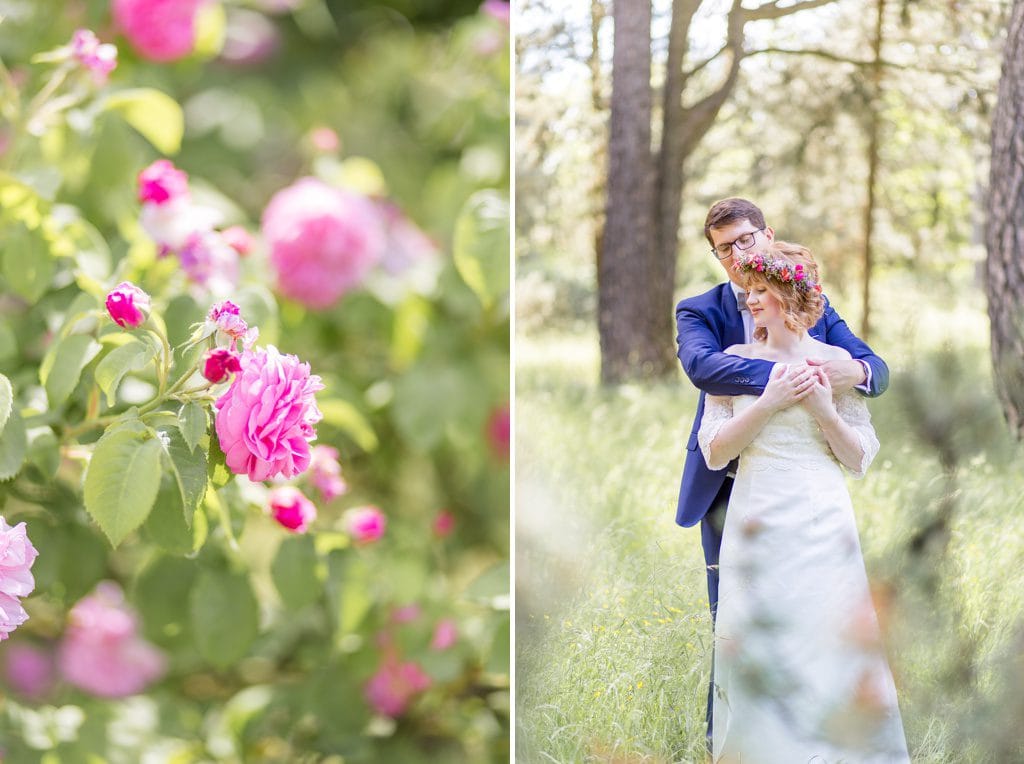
(800, 671)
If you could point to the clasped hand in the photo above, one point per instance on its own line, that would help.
(799, 383)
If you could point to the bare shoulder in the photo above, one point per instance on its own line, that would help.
(832, 352)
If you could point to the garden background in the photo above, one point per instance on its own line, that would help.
(181, 612)
(862, 128)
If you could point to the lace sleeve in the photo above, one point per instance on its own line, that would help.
(854, 411)
(717, 411)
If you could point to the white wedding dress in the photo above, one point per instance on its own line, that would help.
(800, 673)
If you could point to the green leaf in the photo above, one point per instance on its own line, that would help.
(498, 657)
(167, 526)
(225, 616)
(6, 400)
(44, 453)
(432, 396)
(480, 247)
(62, 366)
(188, 468)
(132, 356)
(192, 422)
(295, 572)
(27, 262)
(350, 579)
(13, 444)
(346, 417)
(153, 113)
(162, 593)
(217, 466)
(492, 585)
(122, 481)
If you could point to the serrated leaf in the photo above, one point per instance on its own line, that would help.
(192, 422)
(62, 366)
(157, 116)
(294, 571)
(6, 400)
(132, 356)
(13, 444)
(27, 262)
(122, 481)
(224, 616)
(480, 246)
(189, 471)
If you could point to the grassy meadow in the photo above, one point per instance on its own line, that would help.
(613, 634)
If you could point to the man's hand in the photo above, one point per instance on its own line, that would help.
(843, 375)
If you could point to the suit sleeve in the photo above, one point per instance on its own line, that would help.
(837, 333)
(709, 369)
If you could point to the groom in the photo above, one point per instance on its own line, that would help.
(711, 322)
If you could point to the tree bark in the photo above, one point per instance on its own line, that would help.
(874, 120)
(1004, 234)
(628, 350)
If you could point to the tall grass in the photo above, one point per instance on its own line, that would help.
(613, 632)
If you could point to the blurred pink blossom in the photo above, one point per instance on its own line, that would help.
(325, 472)
(208, 260)
(162, 182)
(219, 363)
(498, 431)
(238, 239)
(159, 30)
(291, 508)
(29, 669)
(406, 613)
(322, 240)
(405, 245)
(394, 686)
(16, 580)
(100, 59)
(265, 420)
(250, 38)
(444, 523)
(324, 139)
(102, 652)
(128, 305)
(497, 9)
(446, 634)
(365, 524)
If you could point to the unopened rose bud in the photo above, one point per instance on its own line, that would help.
(291, 509)
(128, 305)
(219, 364)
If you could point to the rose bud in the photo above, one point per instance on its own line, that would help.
(128, 305)
(219, 363)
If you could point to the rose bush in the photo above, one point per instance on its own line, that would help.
(240, 434)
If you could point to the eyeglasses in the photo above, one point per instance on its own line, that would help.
(746, 241)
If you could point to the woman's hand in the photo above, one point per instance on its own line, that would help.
(788, 384)
(819, 398)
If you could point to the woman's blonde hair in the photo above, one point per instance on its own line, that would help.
(790, 273)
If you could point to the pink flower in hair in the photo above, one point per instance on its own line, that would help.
(322, 240)
(102, 652)
(264, 421)
(128, 305)
(159, 30)
(292, 510)
(394, 686)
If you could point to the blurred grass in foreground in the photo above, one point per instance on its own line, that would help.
(613, 632)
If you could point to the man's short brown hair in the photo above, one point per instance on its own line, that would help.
(727, 211)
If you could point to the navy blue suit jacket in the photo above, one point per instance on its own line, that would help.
(706, 325)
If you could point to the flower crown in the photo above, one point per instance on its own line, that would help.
(777, 269)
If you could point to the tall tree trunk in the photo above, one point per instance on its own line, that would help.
(1004, 234)
(628, 350)
(874, 119)
(598, 184)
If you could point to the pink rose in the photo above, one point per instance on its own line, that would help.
(498, 427)
(128, 305)
(159, 30)
(29, 669)
(162, 182)
(325, 472)
(100, 59)
(16, 580)
(365, 524)
(225, 318)
(219, 363)
(444, 523)
(322, 241)
(497, 9)
(102, 652)
(446, 634)
(265, 420)
(291, 508)
(394, 686)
